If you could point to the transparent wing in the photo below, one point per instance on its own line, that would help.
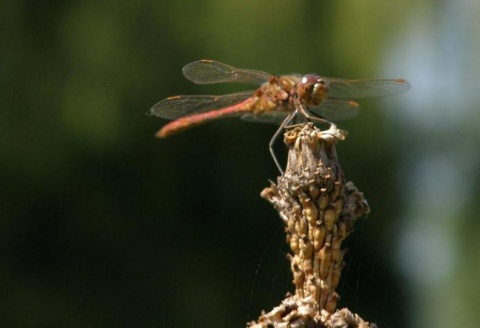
(356, 89)
(269, 117)
(207, 71)
(178, 106)
(330, 109)
(336, 109)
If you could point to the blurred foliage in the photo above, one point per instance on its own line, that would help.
(102, 225)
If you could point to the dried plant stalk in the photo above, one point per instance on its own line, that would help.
(319, 209)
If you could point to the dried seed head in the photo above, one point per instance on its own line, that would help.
(319, 209)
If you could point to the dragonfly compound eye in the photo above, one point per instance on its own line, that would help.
(312, 89)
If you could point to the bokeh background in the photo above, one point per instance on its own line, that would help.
(102, 225)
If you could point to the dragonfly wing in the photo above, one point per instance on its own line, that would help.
(276, 118)
(207, 71)
(330, 109)
(179, 106)
(356, 89)
(336, 109)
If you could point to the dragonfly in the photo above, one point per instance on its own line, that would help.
(279, 99)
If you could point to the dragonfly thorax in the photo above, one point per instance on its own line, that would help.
(312, 89)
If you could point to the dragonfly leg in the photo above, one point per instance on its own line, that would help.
(308, 115)
(284, 124)
(318, 119)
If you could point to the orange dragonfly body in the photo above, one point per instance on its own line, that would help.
(278, 99)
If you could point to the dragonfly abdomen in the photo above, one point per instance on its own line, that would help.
(197, 119)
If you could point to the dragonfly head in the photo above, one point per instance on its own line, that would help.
(312, 89)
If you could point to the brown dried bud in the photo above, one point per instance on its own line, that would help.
(332, 303)
(329, 218)
(319, 233)
(294, 244)
(325, 257)
(323, 201)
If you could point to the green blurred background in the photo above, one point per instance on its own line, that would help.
(102, 225)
